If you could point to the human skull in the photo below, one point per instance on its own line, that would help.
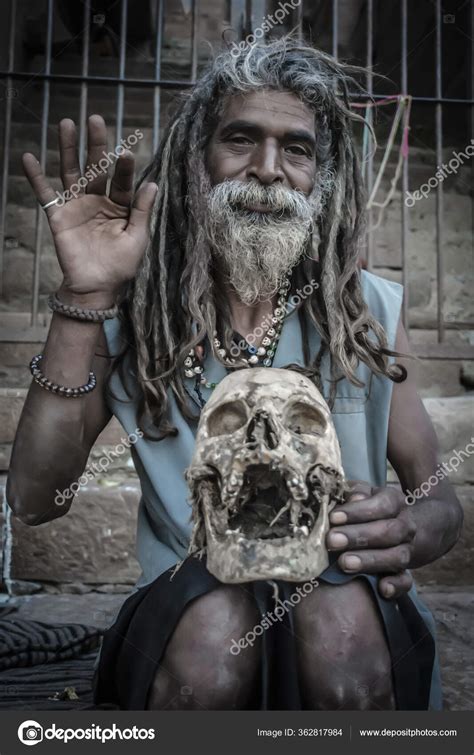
(265, 474)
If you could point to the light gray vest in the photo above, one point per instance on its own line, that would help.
(360, 416)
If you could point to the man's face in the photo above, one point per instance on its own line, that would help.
(265, 136)
(265, 192)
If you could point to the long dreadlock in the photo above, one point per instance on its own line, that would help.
(174, 303)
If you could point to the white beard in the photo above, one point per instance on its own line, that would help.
(258, 249)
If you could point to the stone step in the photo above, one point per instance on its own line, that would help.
(453, 611)
(94, 543)
(456, 568)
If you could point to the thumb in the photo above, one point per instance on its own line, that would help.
(141, 209)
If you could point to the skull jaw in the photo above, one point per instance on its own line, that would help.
(293, 559)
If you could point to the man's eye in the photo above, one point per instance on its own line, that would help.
(296, 149)
(239, 139)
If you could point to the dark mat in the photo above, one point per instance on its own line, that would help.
(31, 687)
(46, 666)
(28, 643)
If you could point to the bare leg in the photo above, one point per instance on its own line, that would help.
(343, 658)
(198, 671)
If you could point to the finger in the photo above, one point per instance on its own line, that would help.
(390, 560)
(121, 187)
(97, 152)
(43, 190)
(386, 503)
(69, 157)
(358, 490)
(383, 533)
(141, 210)
(395, 585)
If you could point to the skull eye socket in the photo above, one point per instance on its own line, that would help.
(227, 419)
(303, 419)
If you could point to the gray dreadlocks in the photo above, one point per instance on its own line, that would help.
(173, 303)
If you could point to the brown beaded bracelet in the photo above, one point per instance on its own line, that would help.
(77, 313)
(60, 390)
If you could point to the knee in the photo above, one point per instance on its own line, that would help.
(198, 669)
(345, 681)
(343, 658)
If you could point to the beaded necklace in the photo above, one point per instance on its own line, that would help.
(257, 355)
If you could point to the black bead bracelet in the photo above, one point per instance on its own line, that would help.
(60, 390)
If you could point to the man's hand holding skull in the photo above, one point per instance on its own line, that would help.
(375, 530)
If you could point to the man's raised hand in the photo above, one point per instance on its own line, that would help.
(99, 239)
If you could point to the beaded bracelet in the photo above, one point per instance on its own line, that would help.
(60, 390)
(77, 313)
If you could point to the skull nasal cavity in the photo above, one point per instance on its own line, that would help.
(261, 428)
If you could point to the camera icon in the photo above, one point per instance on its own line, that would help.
(449, 18)
(30, 733)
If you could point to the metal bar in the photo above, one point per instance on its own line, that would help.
(43, 153)
(175, 83)
(194, 46)
(405, 170)
(157, 89)
(439, 187)
(370, 160)
(84, 90)
(471, 119)
(299, 20)
(335, 27)
(76, 79)
(122, 58)
(256, 13)
(6, 139)
(238, 17)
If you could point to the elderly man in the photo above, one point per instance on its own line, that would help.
(255, 193)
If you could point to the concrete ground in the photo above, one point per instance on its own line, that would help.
(453, 610)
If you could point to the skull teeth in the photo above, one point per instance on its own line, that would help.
(232, 489)
(301, 531)
(297, 488)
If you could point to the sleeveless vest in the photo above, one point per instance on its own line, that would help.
(360, 417)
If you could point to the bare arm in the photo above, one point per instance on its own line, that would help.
(55, 435)
(414, 454)
(377, 529)
(100, 240)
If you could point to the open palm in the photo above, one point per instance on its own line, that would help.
(99, 239)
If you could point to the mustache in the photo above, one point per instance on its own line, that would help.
(276, 199)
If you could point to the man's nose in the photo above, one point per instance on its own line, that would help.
(265, 165)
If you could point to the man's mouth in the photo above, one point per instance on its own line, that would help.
(277, 213)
